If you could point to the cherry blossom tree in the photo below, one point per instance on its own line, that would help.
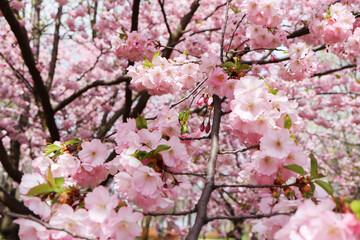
(239, 116)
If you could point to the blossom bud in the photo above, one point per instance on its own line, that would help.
(207, 129)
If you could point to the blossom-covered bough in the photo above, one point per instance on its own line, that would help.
(235, 116)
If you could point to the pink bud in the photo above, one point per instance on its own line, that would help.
(210, 101)
(202, 126)
(200, 101)
(207, 129)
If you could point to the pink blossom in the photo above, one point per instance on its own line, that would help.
(146, 180)
(94, 153)
(277, 143)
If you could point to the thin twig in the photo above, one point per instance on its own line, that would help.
(188, 96)
(223, 31)
(239, 150)
(171, 214)
(233, 33)
(47, 226)
(202, 175)
(164, 15)
(255, 216)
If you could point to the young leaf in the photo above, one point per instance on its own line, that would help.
(296, 168)
(240, 66)
(313, 165)
(74, 140)
(186, 52)
(161, 148)
(155, 55)
(59, 182)
(326, 186)
(147, 63)
(274, 91)
(355, 208)
(228, 64)
(50, 149)
(141, 122)
(186, 115)
(41, 190)
(49, 178)
(288, 122)
(141, 155)
(181, 115)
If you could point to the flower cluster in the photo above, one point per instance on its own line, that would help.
(336, 26)
(319, 222)
(134, 46)
(144, 157)
(162, 76)
(258, 115)
(264, 13)
(302, 62)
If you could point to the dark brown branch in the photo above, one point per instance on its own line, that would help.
(183, 213)
(36, 28)
(201, 218)
(13, 204)
(334, 70)
(93, 20)
(78, 93)
(217, 8)
(128, 101)
(135, 15)
(140, 106)
(194, 138)
(298, 33)
(47, 226)
(54, 51)
(243, 217)
(175, 36)
(109, 124)
(13, 172)
(164, 15)
(28, 57)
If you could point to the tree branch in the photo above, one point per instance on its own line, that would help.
(171, 214)
(175, 36)
(13, 172)
(54, 51)
(97, 83)
(28, 57)
(243, 217)
(13, 204)
(201, 218)
(334, 70)
(164, 15)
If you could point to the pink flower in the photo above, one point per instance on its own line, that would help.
(30, 230)
(100, 204)
(124, 224)
(94, 152)
(265, 164)
(67, 218)
(146, 180)
(277, 143)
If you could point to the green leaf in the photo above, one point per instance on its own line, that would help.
(274, 91)
(228, 64)
(296, 168)
(72, 141)
(49, 177)
(186, 115)
(161, 148)
(287, 123)
(355, 208)
(141, 155)
(41, 190)
(122, 35)
(293, 137)
(240, 66)
(155, 55)
(313, 166)
(147, 63)
(141, 122)
(181, 115)
(186, 52)
(59, 182)
(183, 129)
(312, 185)
(326, 186)
(51, 148)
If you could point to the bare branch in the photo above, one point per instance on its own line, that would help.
(13, 204)
(334, 70)
(243, 217)
(164, 15)
(251, 186)
(171, 214)
(191, 93)
(239, 150)
(13, 172)
(212, 13)
(201, 218)
(202, 175)
(223, 31)
(28, 57)
(97, 83)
